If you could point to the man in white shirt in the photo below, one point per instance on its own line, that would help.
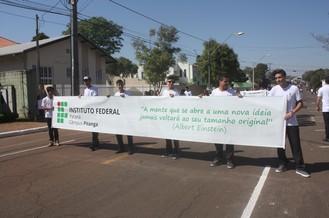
(48, 107)
(294, 104)
(187, 91)
(122, 93)
(224, 90)
(323, 95)
(171, 92)
(90, 90)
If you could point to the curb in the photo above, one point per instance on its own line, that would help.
(22, 132)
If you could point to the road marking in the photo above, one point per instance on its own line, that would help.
(114, 159)
(31, 149)
(324, 146)
(255, 194)
(318, 130)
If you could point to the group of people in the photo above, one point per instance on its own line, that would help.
(224, 152)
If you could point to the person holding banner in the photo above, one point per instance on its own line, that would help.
(171, 92)
(122, 93)
(224, 90)
(48, 107)
(90, 90)
(323, 95)
(294, 104)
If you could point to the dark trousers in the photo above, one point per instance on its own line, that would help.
(121, 145)
(326, 123)
(53, 132)
(169, 148)
(296, 149)
(95, 141)
(229, 152)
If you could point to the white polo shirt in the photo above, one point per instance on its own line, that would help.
(91, 91)
(292, 94)
(227, 92)
(324, 93)
(168, 92)
(47, 105)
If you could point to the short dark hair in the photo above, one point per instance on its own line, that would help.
(279, 71)
(223, 75)
(327, 79)
(50, 88)
(171, 77)
(119, 81)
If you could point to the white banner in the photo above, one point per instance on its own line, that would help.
(229, 120)
(257, 93)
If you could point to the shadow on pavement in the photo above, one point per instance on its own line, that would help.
(318, 167)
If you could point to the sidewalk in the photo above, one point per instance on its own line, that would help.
(20, 128)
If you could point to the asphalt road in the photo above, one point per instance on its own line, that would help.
(72, 181)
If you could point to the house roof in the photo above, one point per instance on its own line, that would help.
(21, 48)
(6, 42)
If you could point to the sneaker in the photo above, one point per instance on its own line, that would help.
(174, 157)
(230, 165)
(57, 143)
(281, 168)
(303, 173)
(51, 143)
(215, 162)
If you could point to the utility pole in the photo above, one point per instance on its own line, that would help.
(75, 81)
(208, 83)
(37, 48)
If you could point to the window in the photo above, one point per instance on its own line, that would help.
(184, 72)
(180, 73)
(99, 76)
(46, 75)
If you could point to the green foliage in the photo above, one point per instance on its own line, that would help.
(315, 77)
(104, 33)
(123, 66)
(222, 59)
(157, 60)
(40, 36)
(7, 117)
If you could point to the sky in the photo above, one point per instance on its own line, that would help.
(278, 33)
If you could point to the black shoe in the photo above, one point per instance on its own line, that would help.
(230, 165)
(303, 173)
(215, 162)
(281, 168)
(130, 152)
(93, 148)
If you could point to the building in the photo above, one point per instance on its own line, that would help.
(18, 68)
(186, 72)
(6, 42)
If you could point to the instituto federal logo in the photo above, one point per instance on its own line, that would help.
(61, 115)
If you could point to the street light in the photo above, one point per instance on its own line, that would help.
(237, 34)
(253, 70)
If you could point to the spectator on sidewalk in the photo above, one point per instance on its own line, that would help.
(47, 106)
(41, 94)
(122, 93)
(294, 104)
(91, 90)
(323, 96)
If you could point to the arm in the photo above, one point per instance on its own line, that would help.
(318, 100)
(291, 113)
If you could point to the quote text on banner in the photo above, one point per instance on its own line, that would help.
(254, 121)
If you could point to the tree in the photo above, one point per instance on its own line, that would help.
(182, 58)
(315, 77)
(157, 60)
(104, 33)
(40, 37)
(222, 59)
(322, 39)
(123, 67)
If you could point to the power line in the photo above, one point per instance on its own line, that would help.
(155, 20)
(127, 34)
